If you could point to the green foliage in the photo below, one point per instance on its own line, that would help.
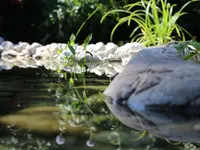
(191, 49)
(66, 16)
(141, 136)
(156, 20)
(71, 62)
(71, 8)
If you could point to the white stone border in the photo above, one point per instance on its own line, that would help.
(100, 58)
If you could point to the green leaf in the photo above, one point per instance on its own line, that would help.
(156, 20)
(65, 75)
(180, 47)
(189, 56)
(71, 48)
(81, 62)
(84, 94)
(71, 81)
(141, 136)
(59, 51)
(195, 44)
(72, 39)
(175, 143)
(88, 39)
(59, 71)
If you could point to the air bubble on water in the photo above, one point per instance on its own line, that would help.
(90, 143)
(60, 139)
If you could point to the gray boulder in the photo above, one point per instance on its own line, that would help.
(156, 78)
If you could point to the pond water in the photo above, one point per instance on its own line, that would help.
(38, 110)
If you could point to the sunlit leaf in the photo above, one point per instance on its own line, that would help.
(71, 48)
(72, 39)
(87, 40)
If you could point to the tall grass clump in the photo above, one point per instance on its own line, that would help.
(156, 21)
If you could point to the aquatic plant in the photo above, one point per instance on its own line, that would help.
(70, 61)
(81, 104)
(156, 20)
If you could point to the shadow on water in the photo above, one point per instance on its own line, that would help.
(39, 111)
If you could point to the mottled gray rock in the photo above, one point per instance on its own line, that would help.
(156, 78)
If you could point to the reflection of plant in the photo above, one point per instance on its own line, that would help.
(155, 19)
(79, 104)
(115, 138)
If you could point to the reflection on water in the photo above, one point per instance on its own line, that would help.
(39, 111)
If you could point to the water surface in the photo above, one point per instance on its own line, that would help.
(38, 110)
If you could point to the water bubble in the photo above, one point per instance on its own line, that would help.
(90, 143)
(60, 139)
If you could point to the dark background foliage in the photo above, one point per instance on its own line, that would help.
(47, 21)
